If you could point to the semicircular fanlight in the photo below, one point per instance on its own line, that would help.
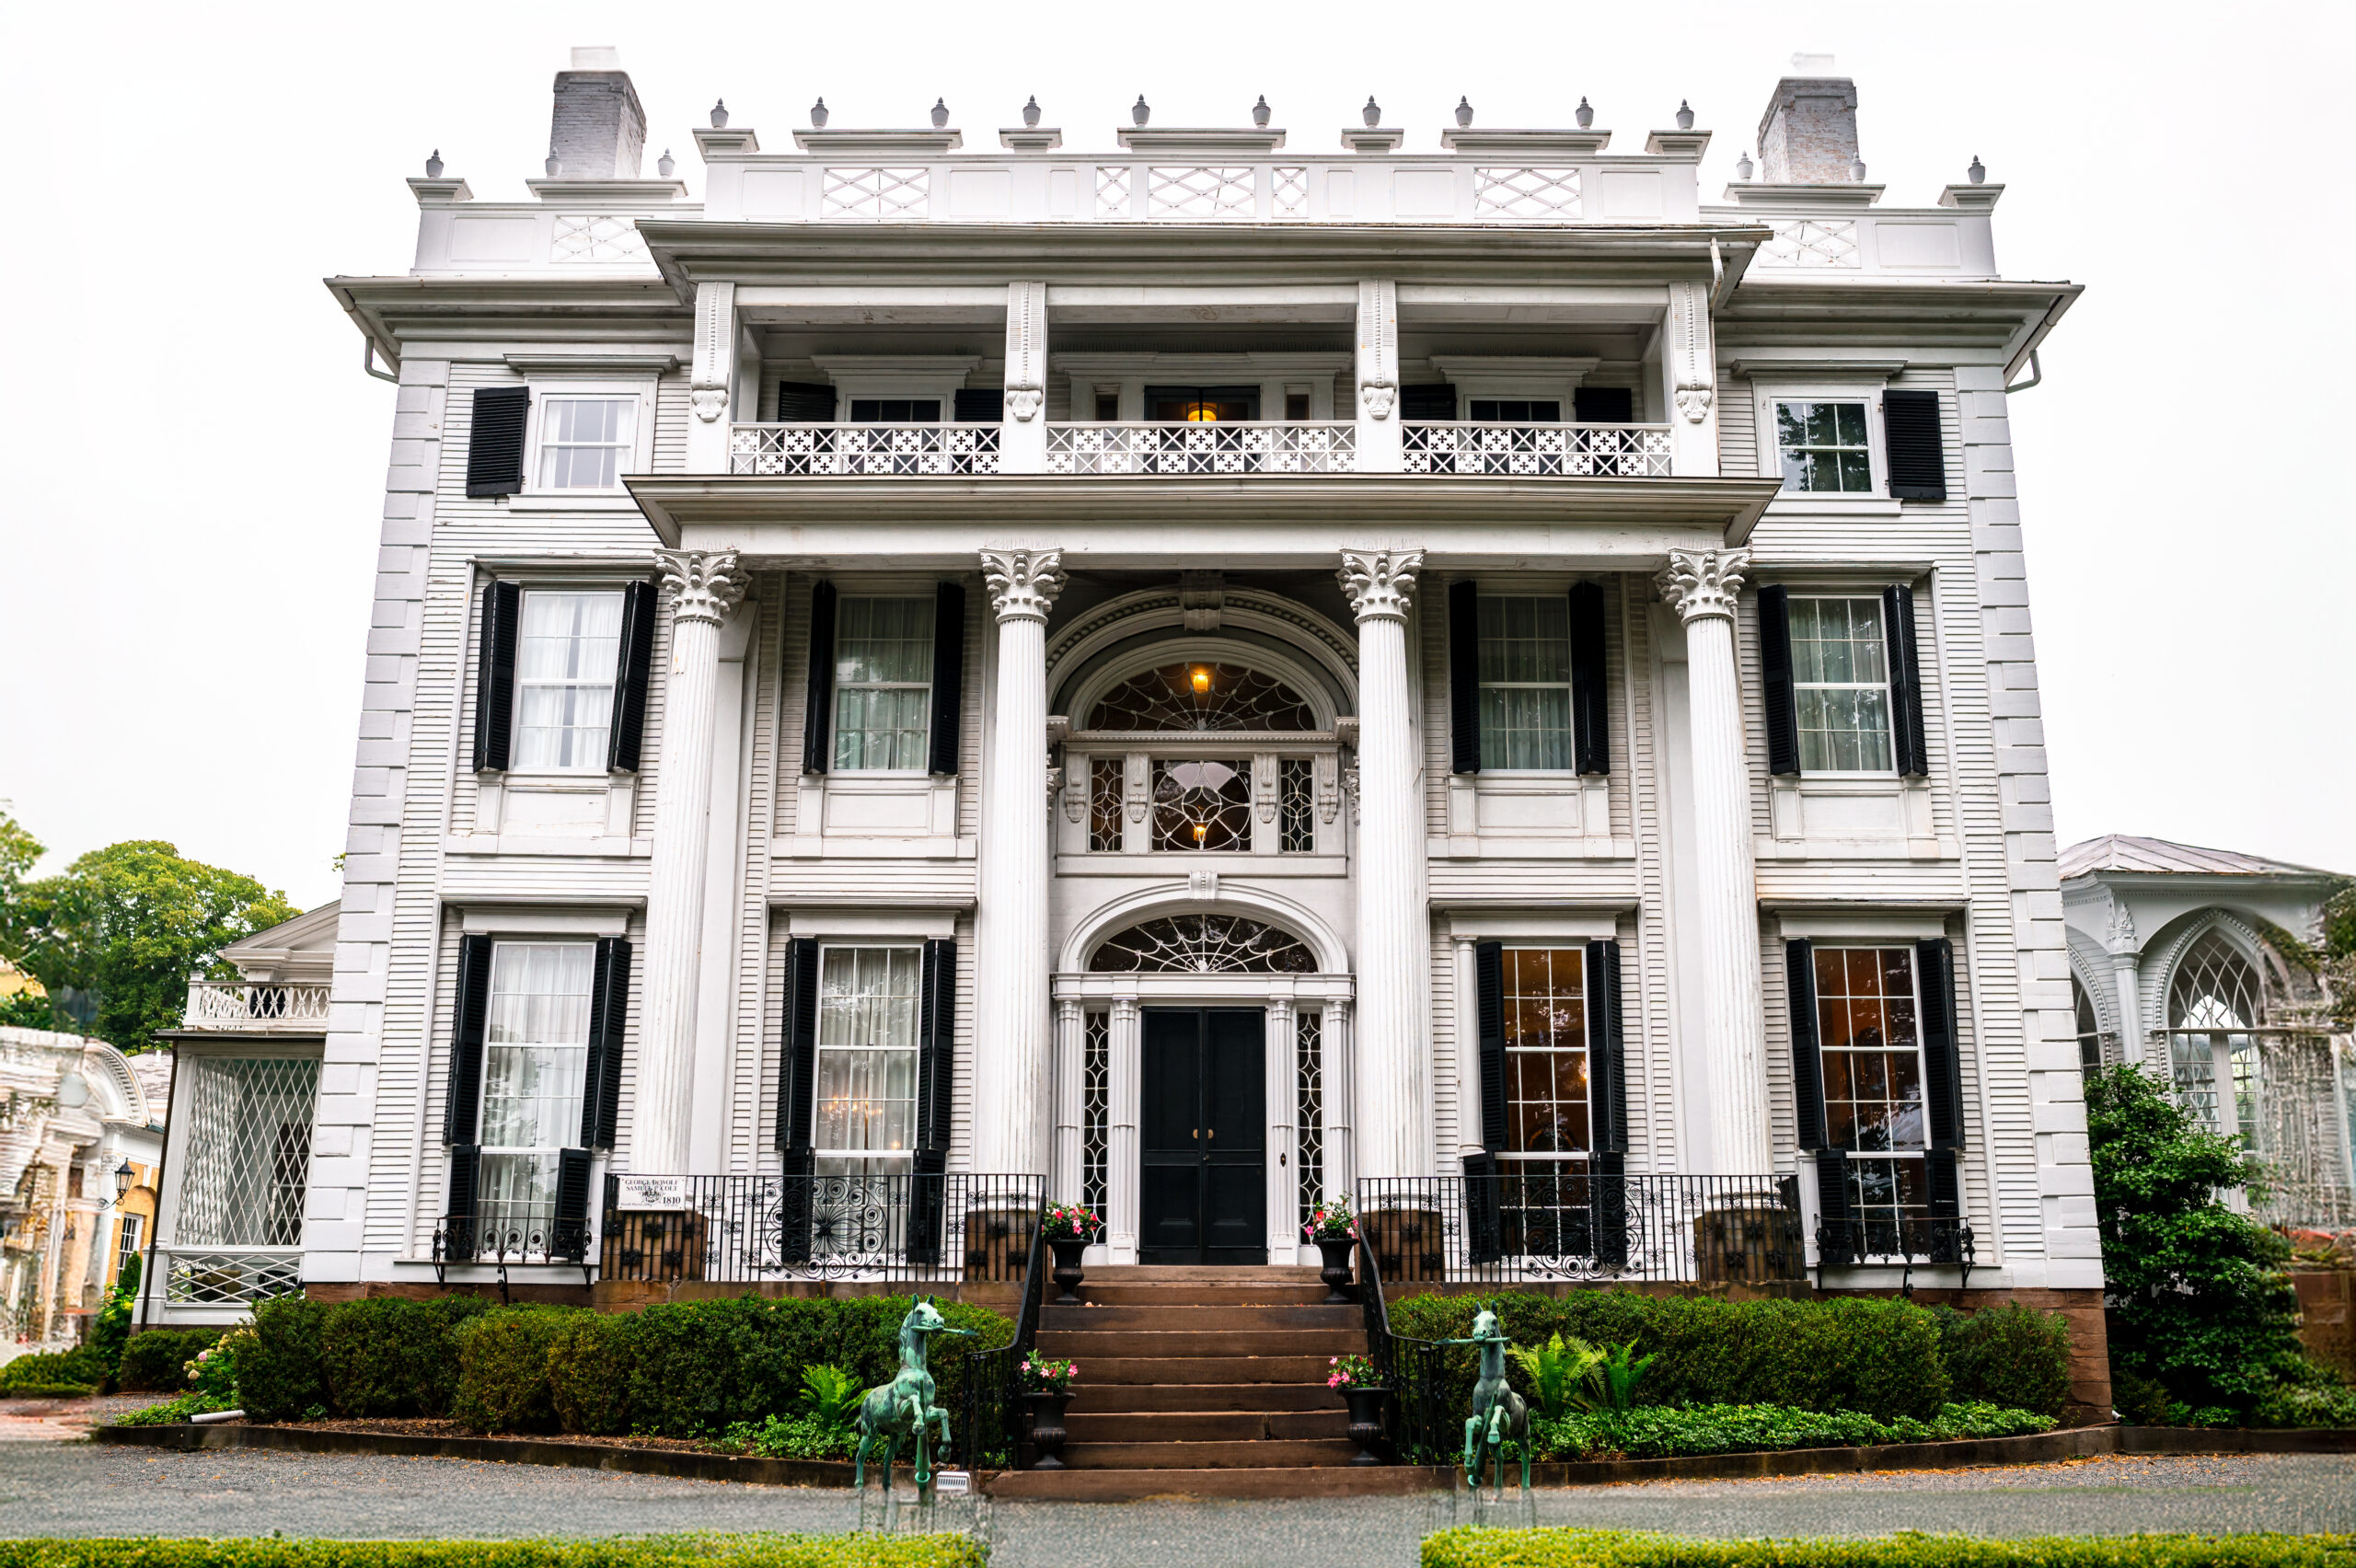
(1203, 944)
(1199, 696)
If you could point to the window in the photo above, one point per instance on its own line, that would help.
(1546, 1092)
(1840, 685)
(1525, 682)
(2089, 1029)
(241, 1183)
(2213, 1002)
(1108, 407)
(895, 411)
(126, 1251)
(1201, 405)
(565, 656)
(535, 1052)
(586, 443)
(1824, 447)
(1296, 406)
(1872, 1053)
(883, 685)
(1202, 803)
(868, 1013)
(1201, 697)
(1517, 411)
(1106, 775)
(1296, 831)
(1096, 1098)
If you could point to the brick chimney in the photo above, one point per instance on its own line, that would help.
(598, 131)
(1809, 135)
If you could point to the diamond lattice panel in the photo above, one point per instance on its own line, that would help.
(1808, 243)
(1292, 194)
(1204, 192)
(596, 237)
(1526, 195)
(1309, 1137)
(249, 1151)
(1112, 190)
(878, 193)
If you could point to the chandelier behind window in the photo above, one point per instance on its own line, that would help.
(1200, 696)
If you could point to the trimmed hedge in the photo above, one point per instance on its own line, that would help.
(1659, 1432)
(2009, 1355)
(81, 1365)
(1471, 1546)
(388, 1357)
(154, 1358)
(50, 1391)
(1876, 1356)
(866, 1550)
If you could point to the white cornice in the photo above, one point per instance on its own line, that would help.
(880, 144)
(620, 193)
(1525, 143)
(1802, 199)
(1210, 139)
(623, 361)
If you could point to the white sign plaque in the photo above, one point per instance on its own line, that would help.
(652, 1192)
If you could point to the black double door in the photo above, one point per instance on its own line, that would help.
(1202, 1127)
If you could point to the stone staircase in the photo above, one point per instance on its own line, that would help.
(1203, 1382)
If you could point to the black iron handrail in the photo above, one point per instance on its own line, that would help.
(1411, 1371)
(990, 1426)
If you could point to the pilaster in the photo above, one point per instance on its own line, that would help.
(1022, 435)
(1281, 1062)
(1121, 1112)
(1688, 369)
(714, 374)
(1377, 378)
(1071, 1044)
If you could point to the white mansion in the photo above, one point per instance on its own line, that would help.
(1460, 669)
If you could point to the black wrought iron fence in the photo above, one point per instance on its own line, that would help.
(1909, 1241)
(1549, 1224)
(904, 1227)
(990, 1427)
(502, 1234)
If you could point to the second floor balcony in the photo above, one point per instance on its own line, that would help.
(263, 1007)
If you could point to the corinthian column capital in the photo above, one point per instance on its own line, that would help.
(1703, 582)
(1024, 583)
(706, 585)
(1378, 581)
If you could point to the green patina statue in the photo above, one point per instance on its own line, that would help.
(1498, 1412)
(903, 1408)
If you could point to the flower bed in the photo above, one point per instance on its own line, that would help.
(1474, 1547)
(866, 1550)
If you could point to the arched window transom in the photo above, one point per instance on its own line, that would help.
(2214, 987)
(1204, 944)
(1202, 697)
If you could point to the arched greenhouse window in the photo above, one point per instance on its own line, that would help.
(2089, 1027)
(1202, 697)
(1204, 944)
(2213, 1002)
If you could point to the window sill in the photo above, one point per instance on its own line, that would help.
(1786, 502)
(573, 500)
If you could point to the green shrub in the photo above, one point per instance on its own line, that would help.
(1469, 1546)
(154, 1357)
(282, 1375)
(2010, 1354)
(863, 1550)
(50, 1390)
(388, 1357)
(830, 1396)
(503, 1369)
(795, 1437)
(111, 1330)
(80, 1365)
(1653, 1432)
(591, 1357)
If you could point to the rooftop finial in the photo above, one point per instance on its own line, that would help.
(940, 112)
(1585, 115)
(818, 115)
(553, 165)
(1373, 111)
(1262, 113)
(1464, 110)
(1684, 115)
(719, 114)
(1031, 110)
(665, 164)
(1743, 166)
(1857, 170)
(1979, 171)
(434, 165)
(1139, 112)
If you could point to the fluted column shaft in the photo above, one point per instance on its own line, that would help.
(1704, 587)
(701, 590)
(1393, 1113)
(1011, 1100)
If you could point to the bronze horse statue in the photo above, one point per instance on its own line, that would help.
(1498, 1414)
(903, 1408)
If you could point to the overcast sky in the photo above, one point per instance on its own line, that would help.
(190, 516)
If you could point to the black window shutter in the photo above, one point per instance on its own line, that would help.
(601, 1089)
(928, 1205)
(1464, 676)
(502, 606)
(1484, 1209)
(459, 1215)
(462, 1099)
(1609, 1188)
(1603, 405)
(817, 723)
(1590, 706)
(1836, 1239)
(1489, 981)
(1942, 1051)
(937, 1044)
(1943, 1168)
(948, 675)
(1427, 401)
(805, 402)
(797, 1090)
(1776, 679)
(1918, 459)
(1905, 681)
(1607, 1070)
(1808, 1068)
(495, 441)
(570, 1236)
(633, 667)
(979, 405)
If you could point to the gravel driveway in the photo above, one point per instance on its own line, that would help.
(73, 1489)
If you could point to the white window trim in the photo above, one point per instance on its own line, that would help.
(587, 778)
(1528, 944)
(835, 686)
(913, 1050)
(523, 922)
(1860, 388)
(1517, 377)
(483, 1091)
(1570, 685)
(640, 458)
(1888, 686)
(898, 375)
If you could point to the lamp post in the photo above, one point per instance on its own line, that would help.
(125, 1177)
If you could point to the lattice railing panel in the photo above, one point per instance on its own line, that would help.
(1812, 242)
(1292, 193)
(596, 237)
(1112, 190)
(1201, 191)
(1207, 448)
(229, 1279)
(869, 451)
(1526, 195)
(247, 1005)
(878, 193)
(249, 1149)
(1614, 452)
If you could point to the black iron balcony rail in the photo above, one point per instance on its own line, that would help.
(1514, 1226)
(1907, 1241)
(903, 1227)
(502, 1234)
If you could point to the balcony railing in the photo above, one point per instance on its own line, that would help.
(501, 1234)
(1539, 451)
(745, 1229)
(1205, 448)
(872, 450)
(228, 1276)
(1909, 1241)
(256, 1005)
(1514, 1226)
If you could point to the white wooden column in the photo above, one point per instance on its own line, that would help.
(2127, 980)
(702, 588)
(1011, 1103)
(712, 377)
(1281, 1061)
(1704, 587)
(1393, 1113)
(1121, 1131)
(1022, 430)
(1377, 378)
(1688, 369)
(1071, 1046)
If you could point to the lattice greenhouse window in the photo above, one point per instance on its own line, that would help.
(1309, 1076)
(1105, 776)
(1204, 944)
(2082, 1007)
(1095, 1098)
(1297, 822)
(249, 1149)
(2213, 1000)
(1201, 697)
(1202, 803)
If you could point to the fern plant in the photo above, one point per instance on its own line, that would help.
(831, 1395)
(1617, 1372)
(1557, 1371)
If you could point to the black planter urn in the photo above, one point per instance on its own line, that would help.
(1068, 1273)
(1046, 1428)
(1337, 1254)
(1366, 1421)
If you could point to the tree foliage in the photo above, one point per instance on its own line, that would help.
(2199, 1299)
(126, 925)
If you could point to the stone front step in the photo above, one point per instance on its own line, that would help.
(1090, 1399)
(1198, 1345)
(1304, 1481)
(1206, 1369)
(1270, 1453)
(1251, 1293)
(1203, 1274)
(1239, 1318)
(1252, 1426)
